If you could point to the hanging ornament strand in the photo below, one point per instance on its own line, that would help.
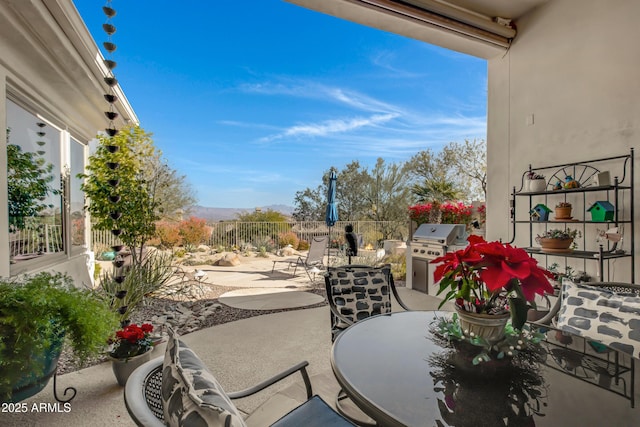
(112, 147)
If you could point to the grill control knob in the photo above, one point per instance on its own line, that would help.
(436, 252)
(421, 251)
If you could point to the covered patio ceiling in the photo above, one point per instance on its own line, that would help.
(477, 27)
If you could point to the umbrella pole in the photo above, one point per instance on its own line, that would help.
(329, 250)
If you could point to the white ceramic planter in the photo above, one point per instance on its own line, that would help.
(536, 185)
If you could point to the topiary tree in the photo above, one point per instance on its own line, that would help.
(135, 189)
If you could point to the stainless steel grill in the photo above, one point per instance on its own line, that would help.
(433, 240)
(428, 243)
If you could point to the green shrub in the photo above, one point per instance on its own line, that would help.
(288, 238)
(266, 243)
(97, 268)
(398, 265)
(36, 309)
(150, 275)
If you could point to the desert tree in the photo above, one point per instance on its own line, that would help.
(146, 189)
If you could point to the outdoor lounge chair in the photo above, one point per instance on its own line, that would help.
(314, 258)
(180, 390)
(356, 292)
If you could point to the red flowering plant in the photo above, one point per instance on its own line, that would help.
(492, 278)
(441, 213)
(132, 340)
(425, 213)
(456, 213)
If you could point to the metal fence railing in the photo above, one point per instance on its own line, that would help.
(102, 240)
(44, 238)
(239, 234)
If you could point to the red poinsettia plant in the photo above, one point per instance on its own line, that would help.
(132, 340)
(492, 278)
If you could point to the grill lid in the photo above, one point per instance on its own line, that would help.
(443, 234)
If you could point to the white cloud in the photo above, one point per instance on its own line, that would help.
(384, 60)
(330, 127)
(389, 130)
(312, 90)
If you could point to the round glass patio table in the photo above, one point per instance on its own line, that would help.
(400, 372)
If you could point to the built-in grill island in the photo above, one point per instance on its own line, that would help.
(428, 242)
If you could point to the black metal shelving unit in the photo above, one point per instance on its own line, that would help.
(621, 168)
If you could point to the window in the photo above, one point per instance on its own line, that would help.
(76, 196)
(35, 195)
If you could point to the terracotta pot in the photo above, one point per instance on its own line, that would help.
(563, 213)
(554, 244)
(122, 368)
(488, 326)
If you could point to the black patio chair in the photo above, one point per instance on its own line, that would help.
(143, 399)
(356, 292)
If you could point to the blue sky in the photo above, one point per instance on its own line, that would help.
(254, 100)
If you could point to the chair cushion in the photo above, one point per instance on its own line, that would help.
(360, 293)
(602, 315)
(313, 413)
(191, 396)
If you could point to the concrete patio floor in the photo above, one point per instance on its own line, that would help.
(240, 354)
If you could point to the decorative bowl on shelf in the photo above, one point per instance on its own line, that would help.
(552, 245)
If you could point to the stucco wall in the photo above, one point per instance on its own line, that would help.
(573, 69)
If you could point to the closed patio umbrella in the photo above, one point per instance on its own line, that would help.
(331, 216)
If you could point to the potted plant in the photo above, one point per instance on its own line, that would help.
(490, 282)
(535, 182)
(131, 347)
(563, 210)
(37, 313)
(558, 240)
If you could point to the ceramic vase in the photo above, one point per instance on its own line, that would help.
(536, 185)
(122, 368)
(488, 326)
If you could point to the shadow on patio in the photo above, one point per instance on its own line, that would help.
(240, 354)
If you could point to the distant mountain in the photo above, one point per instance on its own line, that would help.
(222, 214)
